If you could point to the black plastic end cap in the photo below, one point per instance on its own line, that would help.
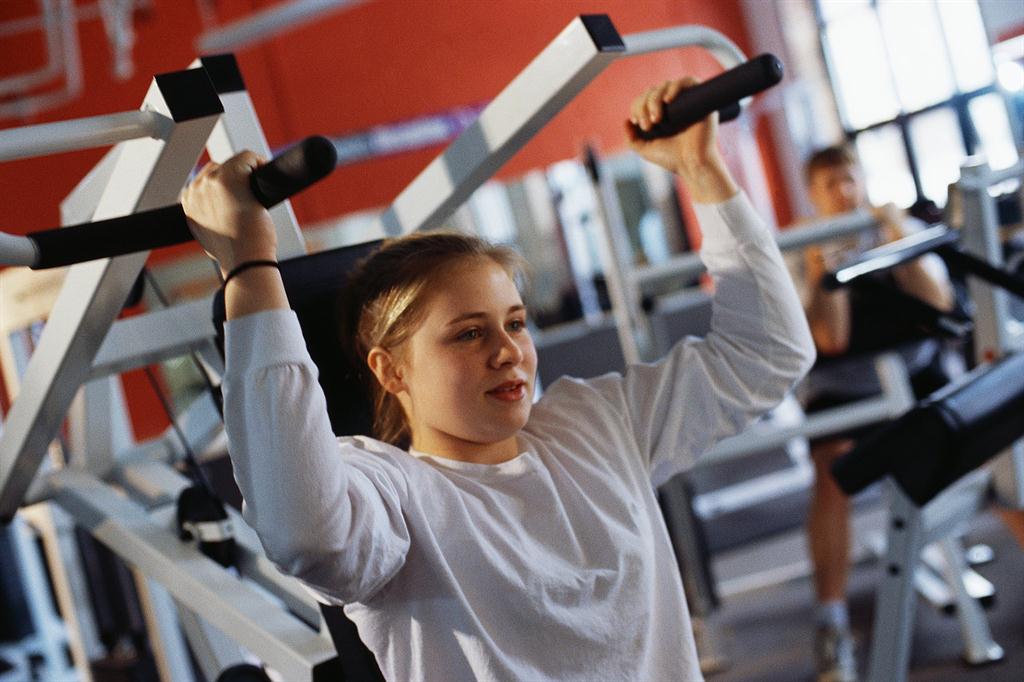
(830, 282)
(223, 72)
(603, 32)
(321, 155)
(189, 94)
(772, 66)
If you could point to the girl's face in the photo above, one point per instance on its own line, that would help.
(468, 371)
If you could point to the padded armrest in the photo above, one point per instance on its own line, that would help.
(952, 432)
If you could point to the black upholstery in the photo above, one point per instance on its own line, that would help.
(949, 434)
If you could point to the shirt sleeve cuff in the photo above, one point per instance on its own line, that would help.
(729, 223)
(269, 337)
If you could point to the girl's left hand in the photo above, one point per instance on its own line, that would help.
(693, 148)
(692, 154)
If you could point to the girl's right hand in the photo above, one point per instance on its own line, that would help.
(225, 217)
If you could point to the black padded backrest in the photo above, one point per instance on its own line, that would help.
(315, 285)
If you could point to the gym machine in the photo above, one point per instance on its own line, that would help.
(180, 587)
(257, 610)
(935, 458)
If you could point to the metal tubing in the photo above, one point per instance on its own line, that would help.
(149, 173)
(690, 264)
(268, 23)
(725, 51)
(154, 336)
(896, 398)
(287, 644)
(547, 84)
(239, 129)
(81, 133)
(15, 250)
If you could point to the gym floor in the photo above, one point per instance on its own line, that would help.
(767, 633)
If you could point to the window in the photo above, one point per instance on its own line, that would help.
(915, 88)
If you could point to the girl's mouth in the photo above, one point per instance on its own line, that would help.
(511, 391)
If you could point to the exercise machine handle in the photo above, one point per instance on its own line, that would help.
(283, 176)
(293, 170)
(890, 255)
(721, 93)
(939, 239)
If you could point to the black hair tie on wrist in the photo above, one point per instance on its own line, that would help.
(239, 269)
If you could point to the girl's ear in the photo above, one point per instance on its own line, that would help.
(384, 366)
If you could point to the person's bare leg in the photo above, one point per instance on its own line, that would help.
(828, 535)
(1014, 520)
(828, 524)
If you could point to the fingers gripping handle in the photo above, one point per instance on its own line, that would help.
(283, 176)
(721, 93)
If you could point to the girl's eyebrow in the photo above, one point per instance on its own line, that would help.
(474, 315)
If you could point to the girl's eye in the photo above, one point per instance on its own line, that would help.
(517, 325)
(469, 335)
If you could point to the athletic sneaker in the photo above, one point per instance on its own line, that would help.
(833, 651)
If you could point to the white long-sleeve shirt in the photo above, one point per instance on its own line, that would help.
(555, 565)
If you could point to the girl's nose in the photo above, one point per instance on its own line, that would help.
(508, 351)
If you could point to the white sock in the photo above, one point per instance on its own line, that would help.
(833, 614)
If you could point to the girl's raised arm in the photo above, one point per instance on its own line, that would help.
(759, 345)
(235, 229)
(327, 513)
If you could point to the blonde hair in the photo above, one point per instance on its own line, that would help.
(383, 305)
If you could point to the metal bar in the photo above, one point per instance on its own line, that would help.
(981, 268)
(149, 173)
(56, 532)
(17, 250)
(983, 179)
(892, 254)
(80, 203)
(151, 337)
(263, 25)
(581, 51)
(239, 129)
(896, 398)
(894, 602)
(155, 484)
(82, 133)
(170, 653)
(725, 51)
(690, 265)
(979, 647)
(616, 255)
(195, 581)
(996, 332)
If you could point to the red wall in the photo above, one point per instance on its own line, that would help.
(385, 60)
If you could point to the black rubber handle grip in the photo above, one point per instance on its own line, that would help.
(283, 176)
(293, 170)
(721, 93)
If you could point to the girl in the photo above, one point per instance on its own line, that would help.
(511, 541)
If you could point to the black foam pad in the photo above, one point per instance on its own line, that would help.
(949, 434)
(316, 287)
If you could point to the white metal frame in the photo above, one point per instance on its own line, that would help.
(81, 343)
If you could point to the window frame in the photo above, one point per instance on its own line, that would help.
(959, 101)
